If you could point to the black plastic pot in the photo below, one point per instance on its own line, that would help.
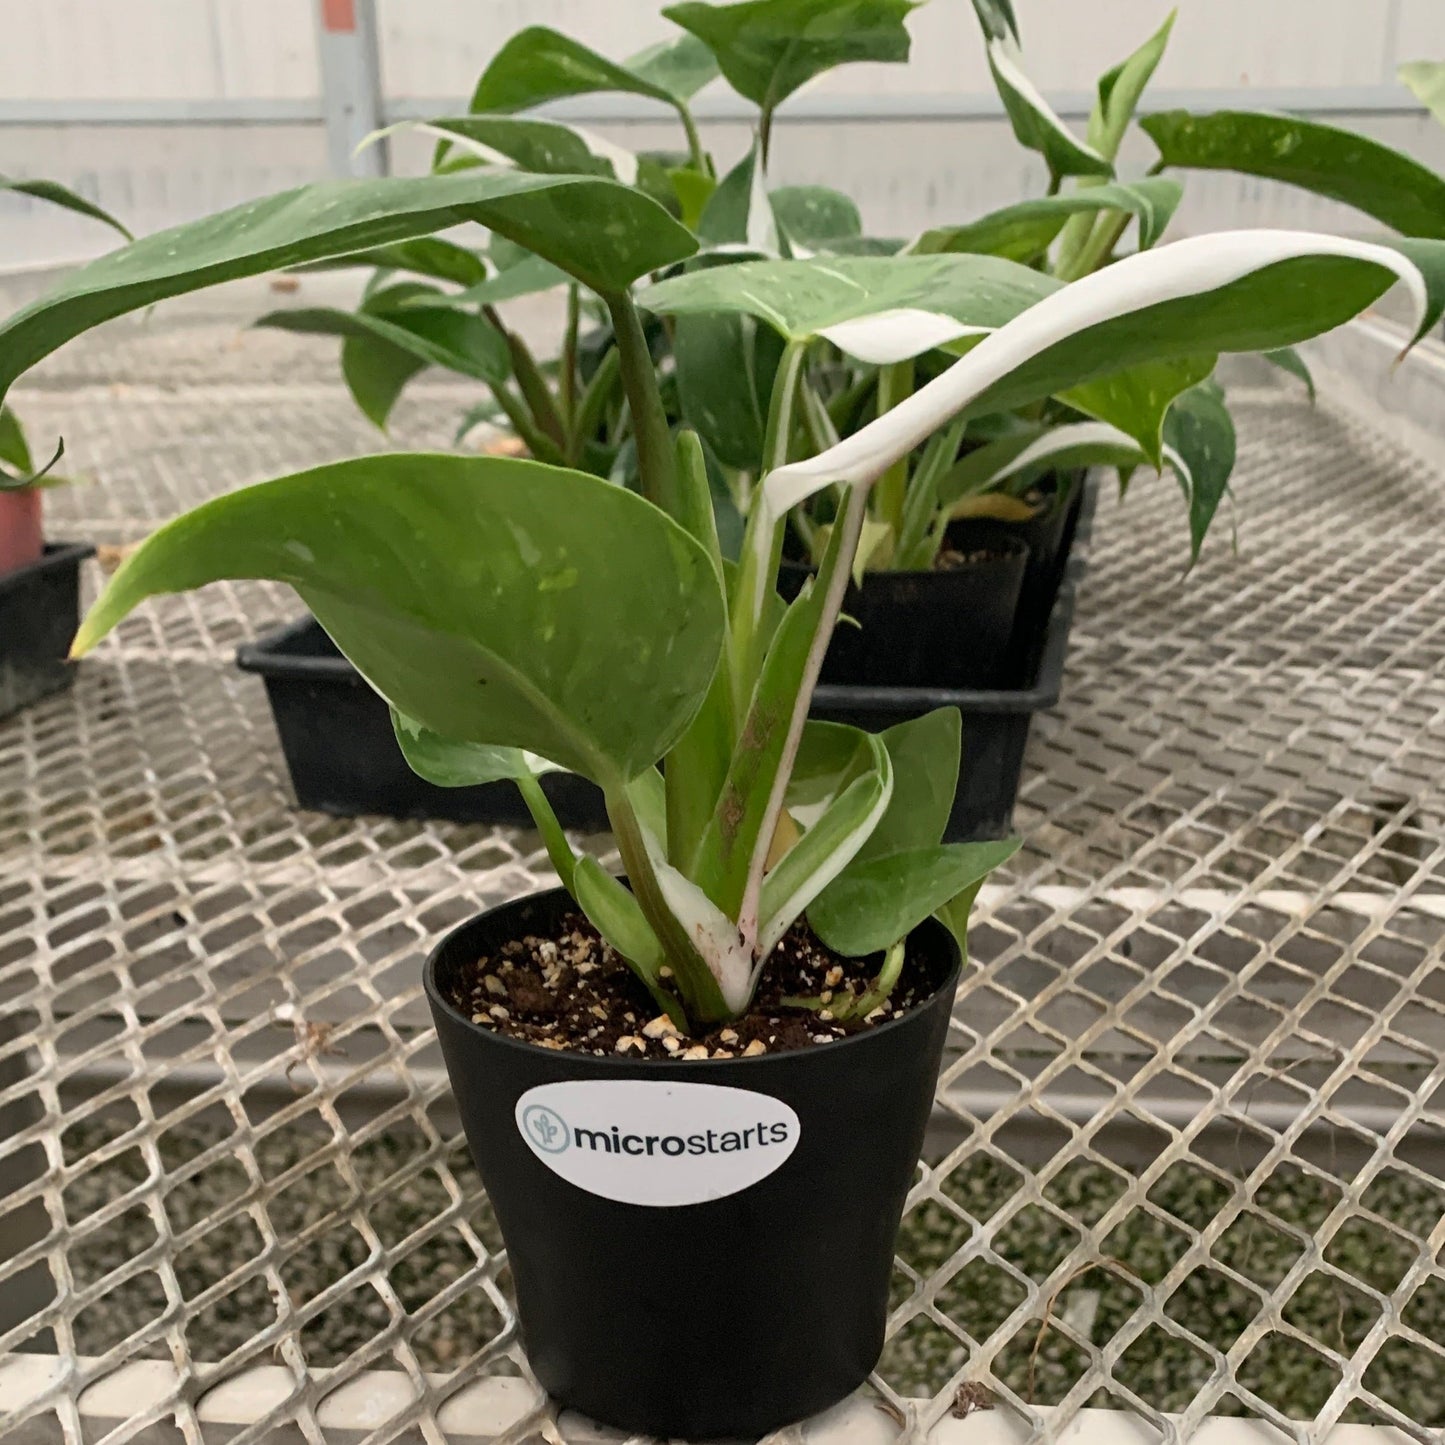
(995, 727)
(1048, 536)
(39, 612)
(343, 756)
(733, 1315)
(950, 628)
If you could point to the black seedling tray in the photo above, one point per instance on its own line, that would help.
(344, 758)
(39, 612)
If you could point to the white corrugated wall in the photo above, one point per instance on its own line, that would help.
(164, 109)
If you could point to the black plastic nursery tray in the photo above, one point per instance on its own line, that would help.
(39, 612)
(995, 725)
(343, 757)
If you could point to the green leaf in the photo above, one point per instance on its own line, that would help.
(726, 849)
(768, 48)
(693, 190)
(1121, 88)
(873, 904)
(740, 211)
(681, 66)
(815, 217)
(422, 256)
(831, 841)
(925, 753)
(879, 308)
(1024, 232)
(725, 369)
(604, 233)
(526, 278)
(376, 373)
(451, 764)
(59, 195)
(619, 918)
(1276, 303)
(1228, 291)
(384, 346)
(546, 147)
(955, 915)
(1137, 400)
(539, 64)
(1200, 433)
(1288, 359)
(1426, 78)
(494, 601)
(14, 449)
(1034, 121)
(444, 336)
(1340, 164)
(1036, 450)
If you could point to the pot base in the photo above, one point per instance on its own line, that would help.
(728, 1312)
(39, 612)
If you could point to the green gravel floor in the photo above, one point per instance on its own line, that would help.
(978, 1299)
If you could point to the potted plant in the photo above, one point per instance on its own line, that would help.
(39, 582)
(978, 525)
(696, 1098)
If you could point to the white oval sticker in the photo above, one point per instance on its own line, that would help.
(647, 1141)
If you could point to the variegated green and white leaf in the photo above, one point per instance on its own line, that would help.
(829, 845)
(1035, 123)
(1024, 232)
(546, 147)
(1232, 291)
(879, 309)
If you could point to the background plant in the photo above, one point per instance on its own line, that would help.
(18, 467)
(827, 337)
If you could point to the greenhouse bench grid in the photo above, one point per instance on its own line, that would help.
(1188, 1154)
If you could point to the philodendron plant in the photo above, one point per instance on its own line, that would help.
(22, 479)
(790, 328)
(519, 616)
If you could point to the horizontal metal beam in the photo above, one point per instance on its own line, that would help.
(1074, 105)
(219, 111)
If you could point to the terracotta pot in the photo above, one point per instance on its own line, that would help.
(21, 542)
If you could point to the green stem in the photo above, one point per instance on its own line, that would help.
(765, 134)
(697, 157)
(655, 462)
(535, 391)
(746, 643)
(567, 377)
(895, 383)
(559, 850)
(595, 399)
(538, 442)
(1100, 244)
(884, 984)
(694, 979)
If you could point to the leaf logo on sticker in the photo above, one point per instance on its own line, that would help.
(654, 1142)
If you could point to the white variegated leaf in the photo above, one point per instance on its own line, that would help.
(899, 335)
(713, 934)
(1132, 312)
(826, 849)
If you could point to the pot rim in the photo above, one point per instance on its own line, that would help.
(607, 1062)
(1008, 549)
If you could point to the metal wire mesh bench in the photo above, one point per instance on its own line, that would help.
(1188, 1158)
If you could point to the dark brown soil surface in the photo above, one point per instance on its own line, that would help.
(949, 559)
(570, 990)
